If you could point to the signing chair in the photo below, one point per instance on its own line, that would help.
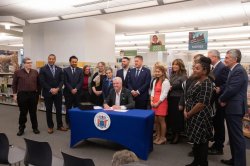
(76, 161)
(40, 154)
(9, 155)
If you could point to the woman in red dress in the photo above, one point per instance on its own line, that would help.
(159, 103)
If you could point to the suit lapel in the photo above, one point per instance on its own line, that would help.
(121, 96)
(114, 98)
(122, 75)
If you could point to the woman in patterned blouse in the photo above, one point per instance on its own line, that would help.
(198, 112)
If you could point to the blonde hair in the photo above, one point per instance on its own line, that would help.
(163, 70)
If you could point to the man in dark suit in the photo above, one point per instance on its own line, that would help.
(73, 80)
(119, 97)
(51, 80)
(139, 82)
(220, 73)
(123, 73)
(234, 99)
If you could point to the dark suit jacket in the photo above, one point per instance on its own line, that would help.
(235, 93)
(126, 99)
(47, 80)
(106, 87)
(141, 83)
(220, 73)
(72, 81)
(124, 81)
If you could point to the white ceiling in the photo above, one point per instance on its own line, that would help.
(171, 17)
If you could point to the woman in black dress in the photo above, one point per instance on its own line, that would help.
(96, 84)
(199, 112)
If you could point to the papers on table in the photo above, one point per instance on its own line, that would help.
(111, 109)
(116, 110)
(120, 110)
(97, 107)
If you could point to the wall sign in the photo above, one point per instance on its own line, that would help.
(198, 40)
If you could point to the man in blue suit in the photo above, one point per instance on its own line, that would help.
(124, 72)
(139, 82)
(234, 99)
(51, 80)
(220, 73)
(73, 80)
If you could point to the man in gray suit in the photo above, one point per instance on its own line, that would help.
(119, 97)
(234, 99)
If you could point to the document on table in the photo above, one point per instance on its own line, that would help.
(97, 107)
(116, 110)
(120, 110)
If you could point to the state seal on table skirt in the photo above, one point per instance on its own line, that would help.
(102, 121)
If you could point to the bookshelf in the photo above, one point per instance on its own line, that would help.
(246, 119)
(6, 93)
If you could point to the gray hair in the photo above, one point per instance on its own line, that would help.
(235, 53)
(118, 79)
(124, 157)
(25, 59)
(215, 53)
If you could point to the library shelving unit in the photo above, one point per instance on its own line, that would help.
(6, 94)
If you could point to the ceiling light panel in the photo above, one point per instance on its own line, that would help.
(43, 20)
(132, 6)
(76, 15)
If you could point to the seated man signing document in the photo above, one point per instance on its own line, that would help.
(119, 97)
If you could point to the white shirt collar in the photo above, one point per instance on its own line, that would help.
(139, 68)
(234, 66)
(216, 64)
(119, 92)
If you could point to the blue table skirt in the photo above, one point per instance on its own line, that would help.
(132, 129)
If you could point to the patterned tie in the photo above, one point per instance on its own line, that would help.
(52, 68)
(73, 70)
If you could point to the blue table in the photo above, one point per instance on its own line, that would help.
(132, 129)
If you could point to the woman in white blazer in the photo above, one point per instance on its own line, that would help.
(159, 103)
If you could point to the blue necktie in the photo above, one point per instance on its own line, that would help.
(137, 73)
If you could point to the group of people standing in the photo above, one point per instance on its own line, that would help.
(176, 99)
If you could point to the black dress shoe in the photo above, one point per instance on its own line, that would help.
(227, 162)
(20, 132)
(36, 131)
(213, 151)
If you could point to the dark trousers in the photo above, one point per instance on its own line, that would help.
(175, 118)
(200, 154)
(27, 102)
(70, 102)
(219, 127)
(57, 101)
(236, 139)
(97, 100)
(141, 104)
(85, 96)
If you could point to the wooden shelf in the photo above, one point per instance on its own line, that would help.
(6, 94)
(14, 104)
(6, 73)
